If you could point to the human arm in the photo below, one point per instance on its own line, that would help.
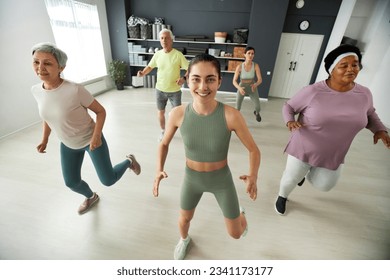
(174, 120)
(289, 115)
(182, 79)
(183, 65)
(236, 76)
(297, 105)
(384, 136)
(98, 109)
(259, 78)
(41, 148)
(236, 123)
(375, 125)
(144, 71)
(378, 128)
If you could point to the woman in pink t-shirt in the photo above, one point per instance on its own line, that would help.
(64, 107)
(330, 114)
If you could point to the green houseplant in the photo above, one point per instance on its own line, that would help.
(117, 70)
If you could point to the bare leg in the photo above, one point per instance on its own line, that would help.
(161, 118)
(184, 222)
(235, 227)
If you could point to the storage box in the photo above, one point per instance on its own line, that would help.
(214, 52)
(239, 52)
(232, 65)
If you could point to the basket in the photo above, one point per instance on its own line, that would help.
(134, 31)
(240, 35)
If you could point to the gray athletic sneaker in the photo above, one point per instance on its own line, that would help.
(88, 203)
(135, 166)
(181, 248)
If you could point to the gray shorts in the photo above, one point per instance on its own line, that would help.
(162, 98)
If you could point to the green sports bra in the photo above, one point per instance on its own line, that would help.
(205, 138)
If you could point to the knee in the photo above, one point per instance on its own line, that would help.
(235, 234)
(324, 187)
(72, 183)
(107, 182)
(184, 219)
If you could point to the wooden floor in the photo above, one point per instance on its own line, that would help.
(39, 217)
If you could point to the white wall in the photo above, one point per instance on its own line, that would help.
(373, 37)
(23, 23)
(376, 60)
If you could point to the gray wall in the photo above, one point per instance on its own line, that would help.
(321, 15)
(201, 17)
(116, 19)
(266, 20)
(266, 25)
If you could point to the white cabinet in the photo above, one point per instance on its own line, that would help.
(297, 56)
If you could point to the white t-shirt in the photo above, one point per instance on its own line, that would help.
(64, 109)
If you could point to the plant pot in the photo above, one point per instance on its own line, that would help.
(220, 37)
(120, 85)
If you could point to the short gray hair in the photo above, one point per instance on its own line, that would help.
(59, 54)
(166, 30)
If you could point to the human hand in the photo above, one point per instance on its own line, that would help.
(180, 81)
(251, 185)
(253, 87)
(95, 143)
(161, 175)
(241, 90)
(293, 125)
(41, 148)
(140, 73)
(384, 136)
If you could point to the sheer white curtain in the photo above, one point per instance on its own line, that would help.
(76, 31)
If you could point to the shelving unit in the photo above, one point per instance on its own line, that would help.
(147, 43)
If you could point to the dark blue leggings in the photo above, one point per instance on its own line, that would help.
(72, 160)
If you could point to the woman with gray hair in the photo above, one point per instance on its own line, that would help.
(63, 107)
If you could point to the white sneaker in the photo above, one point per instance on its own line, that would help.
(242, 210)
(160, 137)
(181, 248)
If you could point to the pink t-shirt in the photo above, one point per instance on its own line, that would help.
(331, 121)
(64, 109)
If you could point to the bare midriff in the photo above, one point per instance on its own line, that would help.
(206, 166)
(246, 81)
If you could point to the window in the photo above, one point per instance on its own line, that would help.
(76, 31)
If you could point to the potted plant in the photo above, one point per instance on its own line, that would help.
(117, 70)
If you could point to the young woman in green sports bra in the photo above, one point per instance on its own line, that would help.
(250, 78)
(206, 125)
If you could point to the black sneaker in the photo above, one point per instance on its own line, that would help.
(280, 205)
(301, 182)
(258, 117)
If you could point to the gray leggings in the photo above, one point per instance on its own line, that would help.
(254, 96)
(321, 178)
(218, 182)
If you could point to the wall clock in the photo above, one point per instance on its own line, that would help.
(300, 3)
(304, 25)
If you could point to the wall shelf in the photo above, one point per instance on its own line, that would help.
(224, 60)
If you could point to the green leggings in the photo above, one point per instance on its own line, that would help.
(218, 182)
(254, 96)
